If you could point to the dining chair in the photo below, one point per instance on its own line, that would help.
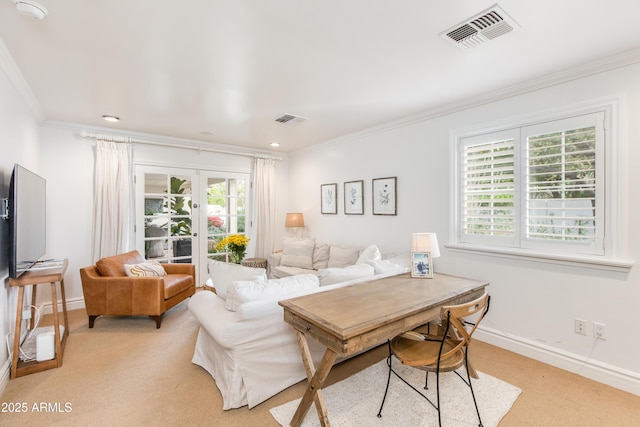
(440, 348)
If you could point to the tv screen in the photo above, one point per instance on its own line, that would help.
(27, 220)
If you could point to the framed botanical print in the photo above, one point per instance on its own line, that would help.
(384, 196)
(329, 198)
(353, 198)
(421, 265)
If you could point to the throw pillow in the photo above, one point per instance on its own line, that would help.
(329, 276)
(222, 274)
(297, 253)
(274, 289)
(342, 256)
(385, 266)
(369, 255)
(321, 257)
(145, 269)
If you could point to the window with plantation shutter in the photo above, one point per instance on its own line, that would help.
(535, 187)
(562, 180)
(489, 187)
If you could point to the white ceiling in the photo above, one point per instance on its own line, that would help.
(223, 71)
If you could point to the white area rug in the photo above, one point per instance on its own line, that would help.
(355, 401)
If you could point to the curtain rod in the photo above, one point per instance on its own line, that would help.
(129, 140)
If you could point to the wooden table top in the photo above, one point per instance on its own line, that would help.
(356, 310)
(48, 274)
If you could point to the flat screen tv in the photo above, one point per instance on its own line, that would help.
(27, 220)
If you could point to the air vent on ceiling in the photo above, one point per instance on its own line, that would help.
(487, 25)
(286, 118)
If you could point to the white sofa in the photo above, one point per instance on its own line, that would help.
(243, 341)
(331, 263)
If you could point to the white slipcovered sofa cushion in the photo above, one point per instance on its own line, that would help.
(298, 253)
(329, 276)
(222, 274)
(241, 292)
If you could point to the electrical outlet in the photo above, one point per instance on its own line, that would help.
(580, 326)
(599, 331)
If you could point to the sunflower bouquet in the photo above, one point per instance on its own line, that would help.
(236, 245)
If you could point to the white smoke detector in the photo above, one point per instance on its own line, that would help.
(31, 9)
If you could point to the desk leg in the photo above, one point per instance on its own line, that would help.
(316, 381)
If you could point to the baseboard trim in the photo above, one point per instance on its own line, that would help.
(604, 373)
(72, 304)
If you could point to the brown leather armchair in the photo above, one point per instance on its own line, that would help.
(109, 291)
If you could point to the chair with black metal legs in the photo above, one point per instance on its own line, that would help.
(444, 350)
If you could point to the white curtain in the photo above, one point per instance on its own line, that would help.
(263, 217)
(112, 199)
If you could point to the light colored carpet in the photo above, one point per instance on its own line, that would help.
(355, 401)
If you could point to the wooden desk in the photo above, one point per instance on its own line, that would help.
(357, 317)
(35, 277)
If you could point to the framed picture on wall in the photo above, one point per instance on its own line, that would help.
(384, 196)
(353, 198)
(329, 198)
(421, 265)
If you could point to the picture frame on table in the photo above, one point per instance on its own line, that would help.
(329, 198)
(421, 265)
(353, 198)
(383, 193)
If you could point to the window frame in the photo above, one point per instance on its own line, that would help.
(613, 205)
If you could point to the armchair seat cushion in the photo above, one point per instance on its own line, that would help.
(176, 283)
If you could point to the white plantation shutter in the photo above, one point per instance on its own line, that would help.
(489, 191)
(563, 184)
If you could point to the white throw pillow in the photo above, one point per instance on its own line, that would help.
(298, 253)
(329, 276)
(384, 266)
(321, 256)
(369, 255)
(145, 269)
(342, 256)
(275, 289)
(223, 273)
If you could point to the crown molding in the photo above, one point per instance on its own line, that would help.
(17, 80)
(598, 66)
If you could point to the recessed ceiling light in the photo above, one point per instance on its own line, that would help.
(275, 144)
(111, 118)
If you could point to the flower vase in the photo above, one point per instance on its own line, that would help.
(237, 257)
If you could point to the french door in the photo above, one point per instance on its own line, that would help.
(182, 214)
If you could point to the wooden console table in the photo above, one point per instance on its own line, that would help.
(360, 316)
(33, 278)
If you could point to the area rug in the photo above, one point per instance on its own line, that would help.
(355, 401)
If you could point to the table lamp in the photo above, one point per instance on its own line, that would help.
(294, 221)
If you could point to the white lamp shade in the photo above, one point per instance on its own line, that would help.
(425, 242)
(294, 220)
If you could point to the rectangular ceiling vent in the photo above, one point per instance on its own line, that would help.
(487, 25)
(290, 118)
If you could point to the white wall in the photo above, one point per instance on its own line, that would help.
(533, 303)
(19, 143)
